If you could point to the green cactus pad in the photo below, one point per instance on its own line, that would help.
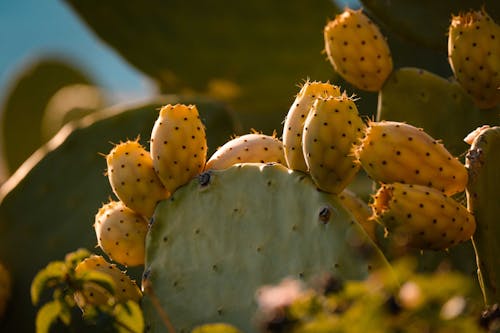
(220, 237)
(47, 208)
(24, 107)
(441, 107)
(483, 162)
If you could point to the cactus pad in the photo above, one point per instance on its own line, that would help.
(205, 264)
(482, 199)
(440, 106)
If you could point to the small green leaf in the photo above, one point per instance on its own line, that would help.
(52, 274)
(216, 328)
(129, 317)
(72, 259)
(47, 315)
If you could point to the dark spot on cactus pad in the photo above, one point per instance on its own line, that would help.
(204, 178)
(325, 214)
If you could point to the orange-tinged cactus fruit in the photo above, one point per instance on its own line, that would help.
(5, 288)
(422, 217)
(398, 152)
(248, 148)
(332, 130)
(178, 145)
(125, 288)
(474, 56)
(121, 233)
(133, 178)
(297, 114)
(360, 210)
(357, 50)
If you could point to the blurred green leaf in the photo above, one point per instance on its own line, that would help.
(216, 328)
(47, 316)
(251, 54)
(72, 259)
(52, 274)
(128, 317)
(25, 103)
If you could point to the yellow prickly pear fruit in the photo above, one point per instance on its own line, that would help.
(178, 145)
(332, 130)
(397, 152)
(474, 56)
(294, 122)
(5, 289)
(357, 50)
(133, 179)
(121, 233)
(125, 288)
(422, 217)
(360, 210)
(249, 148)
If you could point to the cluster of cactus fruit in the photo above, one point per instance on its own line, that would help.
(210, 231)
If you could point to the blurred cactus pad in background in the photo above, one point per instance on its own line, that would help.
(299, 167)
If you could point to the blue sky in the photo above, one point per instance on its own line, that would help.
(33, 28)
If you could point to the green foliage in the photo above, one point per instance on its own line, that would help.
(60, 278)
(442, 301)
(24, 106)
(251, 54)
(220, 237)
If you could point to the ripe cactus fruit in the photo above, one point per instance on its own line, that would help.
(398, 152)
(178, 145)
(121, 233)
(332, 130)
(133, 179)
(5, 289)
(357, 50)
(125, 288)
(422, 217)
(474, 56)
(360, 210)
(294, 122)
(248, 148)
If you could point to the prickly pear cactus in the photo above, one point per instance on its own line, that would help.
(220, 237)
(46, 207)
(482, 199)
